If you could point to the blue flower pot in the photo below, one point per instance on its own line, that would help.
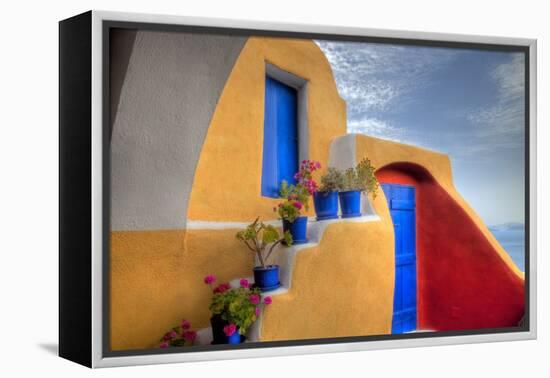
(350, 203)
(218, 336)
(267, 278)
(235, 338)
(297, 229)
(326, 205)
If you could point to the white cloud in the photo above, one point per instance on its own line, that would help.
(375, 127)
(374, 77)
(510, 78)
(502, 124)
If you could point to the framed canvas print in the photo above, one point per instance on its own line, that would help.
(235, 189)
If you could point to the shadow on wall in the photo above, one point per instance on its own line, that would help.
(463, 282)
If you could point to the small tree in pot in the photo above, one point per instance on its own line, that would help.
(262, 239)
(354, 181)
(326, 198)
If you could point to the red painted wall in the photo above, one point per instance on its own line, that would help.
(462, 281)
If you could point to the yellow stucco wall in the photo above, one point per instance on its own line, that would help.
(157, 279)
(156, 276)
(342, 287)
(382, 152)
(228, 175)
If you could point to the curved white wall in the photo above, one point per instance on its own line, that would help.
(168, 94)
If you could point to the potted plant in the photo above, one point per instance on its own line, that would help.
(234, 310)
(357, 180)
(296, 197)
(262, 240)
(181, 335)
(326, 198)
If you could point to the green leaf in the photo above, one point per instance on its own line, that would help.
(270, 234)
(288, 238)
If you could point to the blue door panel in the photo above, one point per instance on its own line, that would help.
(401, 201)
(280, 148)
(402, 204)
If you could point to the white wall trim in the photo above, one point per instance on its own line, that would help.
(221, 225)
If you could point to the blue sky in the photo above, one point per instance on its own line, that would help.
(468, 104)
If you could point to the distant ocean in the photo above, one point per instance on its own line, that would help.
(511, 237)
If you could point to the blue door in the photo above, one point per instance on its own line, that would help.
(280, 148)
(402, 203)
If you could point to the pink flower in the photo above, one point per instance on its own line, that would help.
(164, 344)
(244, 282)
(229, 329)
(190, 335)
(254, 299)
(210, 279)
(170, 336)
(185, 324)
(297, 205)
(258, 311)
(311, 186)
(317, 165)
(268, 300)
(222, 288)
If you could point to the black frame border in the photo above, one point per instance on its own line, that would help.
(75, 188)
(107, 25)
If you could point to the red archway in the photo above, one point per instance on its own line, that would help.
(462, 281)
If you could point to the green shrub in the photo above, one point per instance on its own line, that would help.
(361, 178)
(332, 180)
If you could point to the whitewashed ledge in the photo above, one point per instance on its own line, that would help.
(285, 257)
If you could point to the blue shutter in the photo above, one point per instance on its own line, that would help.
(280, 148)
(401, 201)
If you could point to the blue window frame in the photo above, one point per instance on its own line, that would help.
(280, 147)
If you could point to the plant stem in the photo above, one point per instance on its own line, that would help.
(262, 263)
(248, 245)
(259, 252)
(272, 247)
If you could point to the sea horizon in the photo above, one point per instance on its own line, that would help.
(511, 237)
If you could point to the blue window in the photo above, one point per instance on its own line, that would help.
(280, 149)
(401, 201)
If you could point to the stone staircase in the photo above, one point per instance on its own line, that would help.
(285, 257)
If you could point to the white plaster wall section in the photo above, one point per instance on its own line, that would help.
(342, 153)
(121, 45)
(366, 205)
(167, 100)
(204, 336)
